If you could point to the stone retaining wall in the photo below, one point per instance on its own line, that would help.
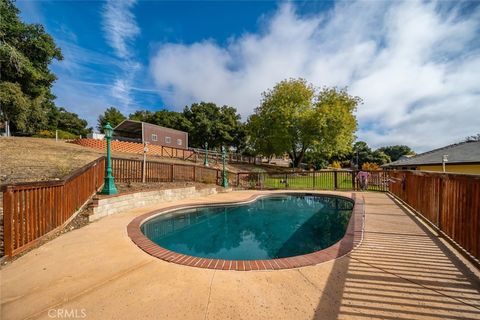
(118, 203)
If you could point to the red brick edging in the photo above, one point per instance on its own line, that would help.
(351, 239)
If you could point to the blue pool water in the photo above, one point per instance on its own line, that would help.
(271, 227)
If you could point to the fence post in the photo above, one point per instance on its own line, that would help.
(171, 173)
(194, 173)
(238, 179)
(95, 175)
(335, 180)
(440, 202)
(144, 166)
(314, 174)
(7, 221)
(354, 187)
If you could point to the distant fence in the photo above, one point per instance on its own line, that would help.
(315, 180)
(191, 154)
(33, 209)
(450, 202)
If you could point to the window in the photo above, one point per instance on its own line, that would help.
(154, 137)
(168, 140)
(179, 142)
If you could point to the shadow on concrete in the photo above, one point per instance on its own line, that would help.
(401, 271)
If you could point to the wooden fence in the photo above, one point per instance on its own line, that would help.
(32, 210)
(129, 170)
(450, 202)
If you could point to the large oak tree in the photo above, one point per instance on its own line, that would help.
(294, 117)
(26, 100)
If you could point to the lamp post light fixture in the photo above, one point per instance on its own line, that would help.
(109, 185)
(205, 162)
(444, 161)
(224, 172)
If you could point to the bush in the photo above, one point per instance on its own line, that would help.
(368, 166)
(51, 134)
(336, 165)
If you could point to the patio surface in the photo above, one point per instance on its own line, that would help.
(400, 271)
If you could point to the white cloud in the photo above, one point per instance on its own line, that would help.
(121, 29)
(415, 64)
(120, 26)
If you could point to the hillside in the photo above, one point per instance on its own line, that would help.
(34, 159)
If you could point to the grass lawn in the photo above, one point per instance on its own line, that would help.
(307, 182)
(317, 181)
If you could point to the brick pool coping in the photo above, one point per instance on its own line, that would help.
(352, 238)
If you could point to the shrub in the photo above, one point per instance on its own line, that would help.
(51, 134)
(336, 165)
(368, 166)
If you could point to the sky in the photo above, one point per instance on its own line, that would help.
(415, 64)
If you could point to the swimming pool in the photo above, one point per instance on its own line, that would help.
(269, 228)
(309, 227)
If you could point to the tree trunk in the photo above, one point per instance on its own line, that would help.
(297, 158)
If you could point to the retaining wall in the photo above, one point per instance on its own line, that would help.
(119, 203)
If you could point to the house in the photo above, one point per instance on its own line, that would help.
(96, 136)
(462, 157)
(137, 131)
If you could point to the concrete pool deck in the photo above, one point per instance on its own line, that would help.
(399, 271)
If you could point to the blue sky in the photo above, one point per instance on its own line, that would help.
(415, 64)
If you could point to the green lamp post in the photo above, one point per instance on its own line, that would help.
(109, 185)
(224, 172)
(205, 162)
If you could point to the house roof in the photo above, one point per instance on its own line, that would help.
(129, 126)
(464, 152)
(136, 126)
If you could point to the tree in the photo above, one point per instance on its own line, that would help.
(112, 115)
(212, 124)
(205, 122)
(362, 153)
(26, 100)
(336, 108)
(294, 118)
(70, 122)
(473, 138)
(164, 118)
(258, 137)
(26, 51)
(379, 157)
(395, 152)
(316, 159)
(14, 105)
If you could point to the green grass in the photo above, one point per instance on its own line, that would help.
(306, 182)
(323, 181)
